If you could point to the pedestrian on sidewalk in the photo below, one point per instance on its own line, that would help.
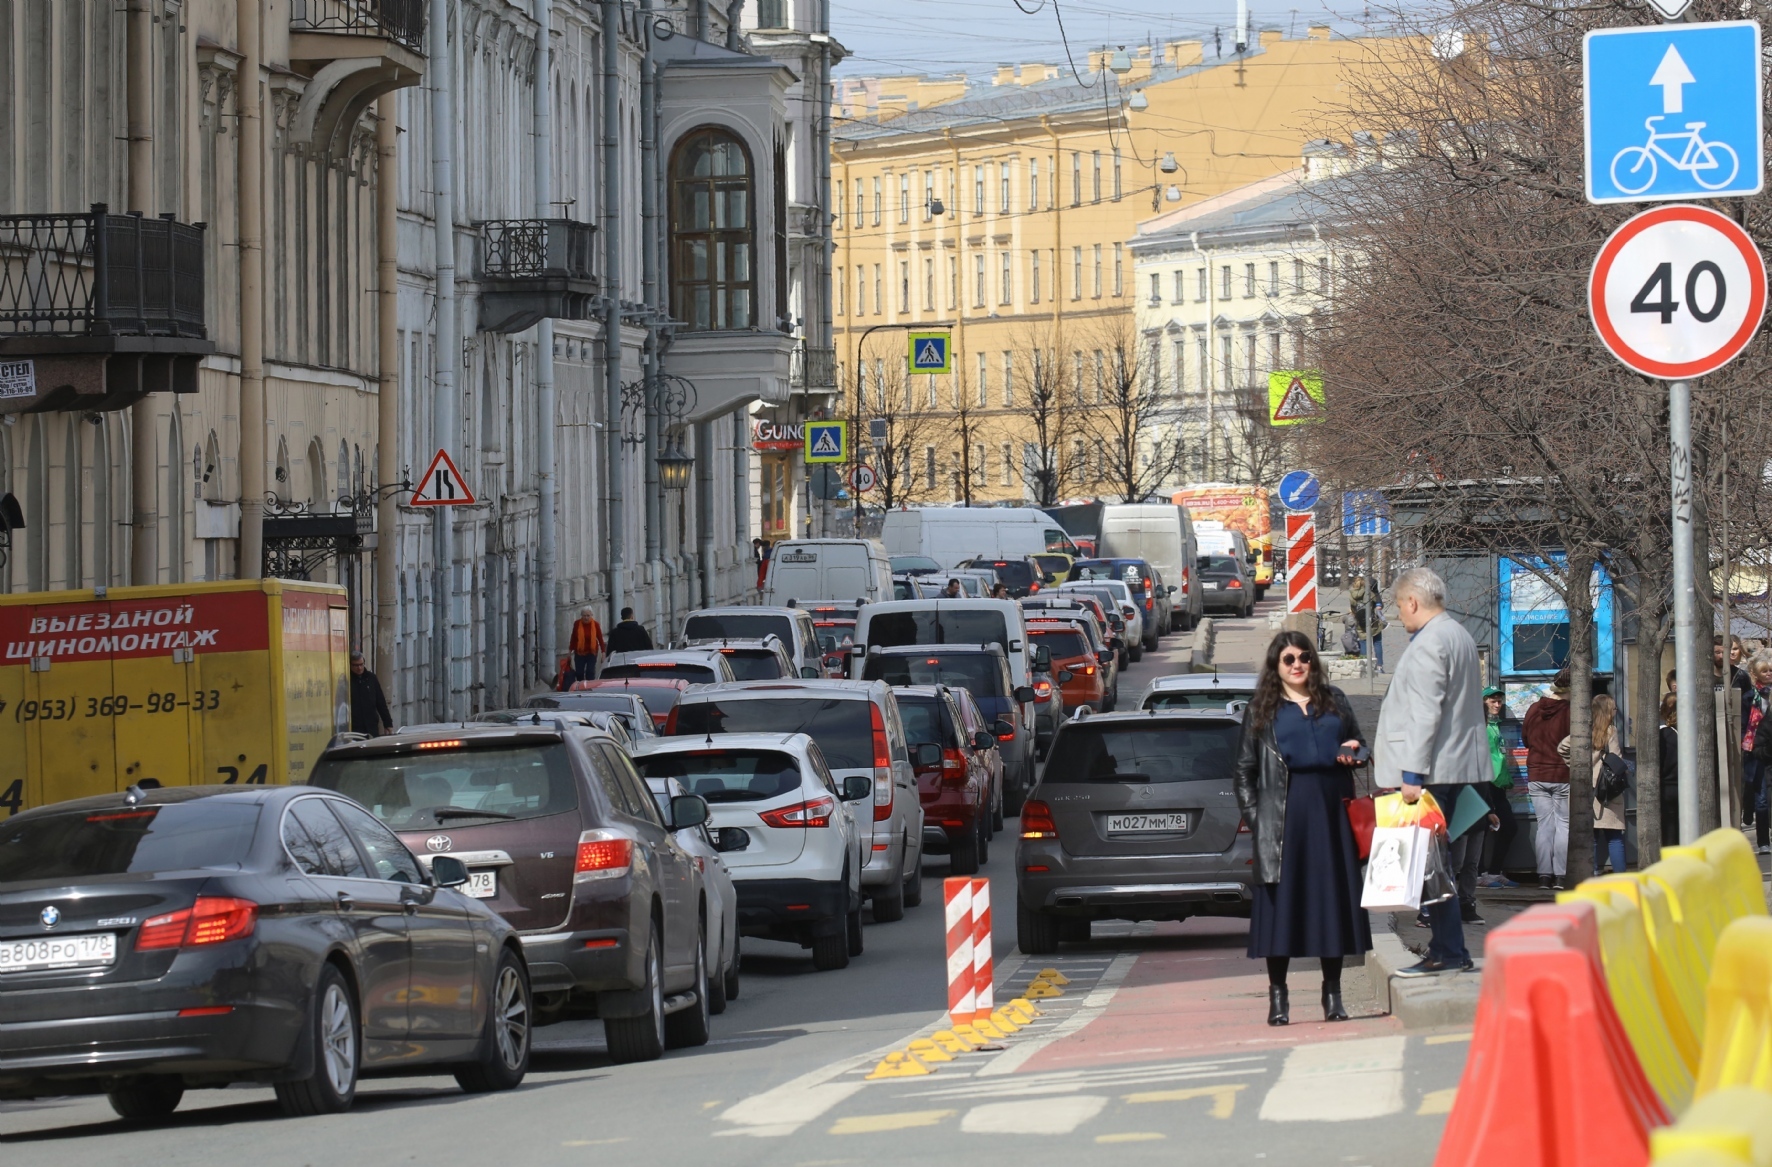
(1495, 792)
(1293, 779)
(1668, 743)
(1754, 704)
(587, 644)
(629, 635)
(369, 706)
(1431, 736)
(1608, 816)
(1547, 780)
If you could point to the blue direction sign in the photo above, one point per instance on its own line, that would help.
(1365, 512)
(1299, 490)
(1673, 111)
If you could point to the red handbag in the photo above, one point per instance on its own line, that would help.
(1363, 818)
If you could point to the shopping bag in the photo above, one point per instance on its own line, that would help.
(1391, 811)
(1438, 884)
(1395, 872)
(1362, 819)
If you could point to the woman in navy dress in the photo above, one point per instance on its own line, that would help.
(1294, 775)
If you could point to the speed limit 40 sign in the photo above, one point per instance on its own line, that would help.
(1677, 292)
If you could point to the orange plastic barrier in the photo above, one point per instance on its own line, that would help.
(1552, 1080)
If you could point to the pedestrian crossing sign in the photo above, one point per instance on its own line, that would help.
(930, 352)
(827, 441)
(1294, 396)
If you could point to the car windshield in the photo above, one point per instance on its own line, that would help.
(926, 719)
(940, 626)
(584, 703)
(738, 626)
(1219, 564)
(841, 726)
(1131, 572)
(727, 775)
(753, 664)
(913, 564)
(903, 589)
(412, 792)
(1064, 645)
(1144, 753)
(695, 674)
(835, 635)
(127, 840)
(1197, 698)
(1056, 564)
(980, 674)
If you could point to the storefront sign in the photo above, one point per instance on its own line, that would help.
(777, 435)
(18, 378)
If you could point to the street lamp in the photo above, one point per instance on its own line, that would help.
(1121, 64)
(1138, 102)
(674, 465)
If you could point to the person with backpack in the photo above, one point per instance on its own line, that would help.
(1611, 778)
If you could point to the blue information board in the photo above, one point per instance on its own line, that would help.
(1534, 618)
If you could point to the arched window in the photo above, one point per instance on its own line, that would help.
(210, 477)
(713, 236)
(281, 476)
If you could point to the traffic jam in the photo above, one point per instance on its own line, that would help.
(426, 901)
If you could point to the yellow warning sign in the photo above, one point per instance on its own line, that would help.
(1294, 396)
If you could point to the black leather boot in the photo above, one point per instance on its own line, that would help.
(1333, 1009)
(1277, 1005)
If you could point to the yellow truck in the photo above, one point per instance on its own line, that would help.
(242, 681)
(1236, 508)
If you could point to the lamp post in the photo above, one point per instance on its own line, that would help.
(861, 387)
(674, 466)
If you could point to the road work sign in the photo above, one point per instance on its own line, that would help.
(1673, 111)
(442, 485)
(827, 441)
(1677, 292)
(930, 352)
(1294, 396)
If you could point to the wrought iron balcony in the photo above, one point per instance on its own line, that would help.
(535, 269)
(402, 21)
(814, 370)
(99, 274)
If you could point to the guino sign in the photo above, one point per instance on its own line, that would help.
(778, 435)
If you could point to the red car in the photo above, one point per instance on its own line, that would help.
(952, 782)
(660, 694)
(1086, 683)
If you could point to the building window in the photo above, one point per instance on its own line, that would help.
(1076, 178)
(1077, 375)
(1323, 276)
(1180, 350)
(1080, 460)
(1156, 288)
(953, 282)
(1034, 276)
(1076, 273)
(842, 193)
(1119, 269)
(1095, 161)
(904, 285)
(1204, 365)
(1273, 277)
(861, 290)
(1273, 350)
(1033, 184)
(953, 199)
(876, 200)
(880, 383)
(1100, 377)
(1224, 282)
(928, 195)
(1008, 380)
(1249, 346)
(978, 190)
(1298, 276)
(837, 286)
(1224, 356)
(861, 203)
(1006, 275)
(1006, 460)
(1003, 182)
(1097, 284)
(1248, 280)
(904, 198)
(978, 280)
(1200, 285)
(1178, 287)
(1116, 174)
(928, 284)
(879, 293)
(932, 392)
(713, 282)
(929, 467)
(984, 380)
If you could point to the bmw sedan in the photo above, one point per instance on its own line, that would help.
(158, 941)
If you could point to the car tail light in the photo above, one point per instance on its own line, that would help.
(1235, 583)
(670, 722)
(602, 855)
(446, 744)
(882, 765)
(1037, 821)
(814, 812)
(953, 767)
(1148, 602)
(1042, 691)
(211, 920)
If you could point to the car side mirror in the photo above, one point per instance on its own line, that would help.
(857, 787)
(728, 839)
(688, 810)
(1002, 728)
(1043, 658)
(983, 741)
(809, 673)
(1103, 655)
(926, 756)
(1048, 577)
(1172, 589)
(1024, 693)
(448, 871)
(1064, 675)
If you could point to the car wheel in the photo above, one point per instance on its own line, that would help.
(331, 1086)
(830, 953)
(1136, 654)
(1152, 644)
(856, 940)
(732, 977)
(913, 887)
(889, 902)
(1036, 933)
(997, 814)
(146, 1099)
(505, 1059)
(690, 1027)
(642, 1038)
(964, 853)
(984, 848)
(717, 991)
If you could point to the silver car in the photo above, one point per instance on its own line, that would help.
(698, 666)
(1214, 690)
(706, 849)
(1135, 818)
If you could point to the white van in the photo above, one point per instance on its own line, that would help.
(1161, 534)
(1214, 538)
(807, 570)
(951, 535)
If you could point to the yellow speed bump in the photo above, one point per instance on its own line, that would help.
(952, 1042)
(1004, 1022)
(925, 1050)
(1019, 1016)
(1053, 976)
(898, 1064)
(986, 1029)
(1041, 988)
(1026, 1006)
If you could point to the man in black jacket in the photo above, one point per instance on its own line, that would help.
(369, 709)
(629, 635)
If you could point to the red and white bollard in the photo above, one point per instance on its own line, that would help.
(983, 975)
(956, 894)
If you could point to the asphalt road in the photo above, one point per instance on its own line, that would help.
(1157, 1047)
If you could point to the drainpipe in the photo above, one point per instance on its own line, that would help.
(704, 507)
(611, 196)
(546, 484)
(444, 427)
(649, 283)
(699, 20)
(143, 456)
(250, 164)
(388, 427)
(732, 28)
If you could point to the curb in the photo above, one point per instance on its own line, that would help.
(1424, 1002)
(1202, 646)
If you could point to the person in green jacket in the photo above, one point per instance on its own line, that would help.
(1501, 813)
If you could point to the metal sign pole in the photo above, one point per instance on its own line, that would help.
(1688, 663)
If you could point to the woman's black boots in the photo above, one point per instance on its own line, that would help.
(1333, 1009)
(1278, 1006)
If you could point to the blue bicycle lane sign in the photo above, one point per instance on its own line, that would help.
(1673, 111)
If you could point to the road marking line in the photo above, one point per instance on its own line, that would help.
(595, 1142)
(1437, 1101)
(1446, 1038)
(1338, 1081)
(1131, 1137)
(784, 1109)
(1041, 1116)
(1224, 1097)
(1093, 1006)
(867, 1124)
(1066, 1081)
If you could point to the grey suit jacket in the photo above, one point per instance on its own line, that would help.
(1432, 719)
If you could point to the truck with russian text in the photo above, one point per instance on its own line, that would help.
(1223, 506)
(233, 682)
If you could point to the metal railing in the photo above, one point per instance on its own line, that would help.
(398, 20)
(101, 274)
(515, 249)
(813, 368)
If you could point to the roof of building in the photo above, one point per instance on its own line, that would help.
(1277, 205)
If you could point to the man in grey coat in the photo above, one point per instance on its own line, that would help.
(1431, 734)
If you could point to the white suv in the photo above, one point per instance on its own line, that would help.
(797, 866)
(792, 625)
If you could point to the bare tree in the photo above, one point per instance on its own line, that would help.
(1050, 468)
(1133, 425)
(890, 405)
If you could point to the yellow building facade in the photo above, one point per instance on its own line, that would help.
(1005, 210)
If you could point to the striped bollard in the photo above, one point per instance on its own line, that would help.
(983, 975)
(1301, 563)
(956, 894)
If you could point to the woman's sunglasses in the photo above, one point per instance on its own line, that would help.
(1296, 658)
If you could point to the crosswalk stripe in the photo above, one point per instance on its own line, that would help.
(1043, 1116)
(1338, 1081)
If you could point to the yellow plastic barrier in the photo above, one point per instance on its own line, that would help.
(1738, 1032)
(1730, 1128)
(1695, 895)
(1675, 969)
(1732, 857)
(1628, 961)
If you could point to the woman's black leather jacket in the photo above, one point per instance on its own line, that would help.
(1262, 779)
